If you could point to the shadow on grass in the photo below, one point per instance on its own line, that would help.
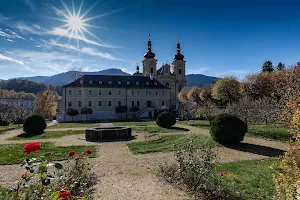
(256, 149)
(179, 128)
(110, 140)
(24, 135)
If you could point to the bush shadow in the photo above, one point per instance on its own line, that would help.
(256, 149)
(111, 140)
(179, 128)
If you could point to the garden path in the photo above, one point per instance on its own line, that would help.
(123, 175)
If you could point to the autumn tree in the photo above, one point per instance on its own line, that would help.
(45, 103)
(182, 95)
(194, 95)
(267, 67)
(227, 90)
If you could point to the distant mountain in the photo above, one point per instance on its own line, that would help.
(64, 78)
(199, 80)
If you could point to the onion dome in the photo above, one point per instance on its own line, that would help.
(137, 69)
(178, 56)
(149, 54)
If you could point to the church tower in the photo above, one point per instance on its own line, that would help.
(149, 62)
(178, 66)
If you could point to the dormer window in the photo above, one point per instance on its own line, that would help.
(119, 82)
(137, 83)
(155, 83)
(100, 82)
(109, 82)
(147, 83)
(90, 82)
(81, 81)
(128, 82)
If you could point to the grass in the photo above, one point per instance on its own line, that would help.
(13, 153)
(198, 123)
(74, 125)
(6, 193)
(48, 134)
(10, 127)
(253, 179)
(134, 123)
(272, 131)
(157, 129)
(166, 143)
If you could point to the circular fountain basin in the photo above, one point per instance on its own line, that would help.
(107, 133)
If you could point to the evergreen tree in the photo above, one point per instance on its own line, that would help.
(280, 66)
(267, 67)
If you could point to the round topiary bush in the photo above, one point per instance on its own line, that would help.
(165, 120)
(34, 125)
(227, 129)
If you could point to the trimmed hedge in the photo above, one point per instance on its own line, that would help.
(165, 120)
(34, 125)
(227, 129)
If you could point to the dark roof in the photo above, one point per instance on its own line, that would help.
(149, 54)
(160, 71)
(137, 74)
(96, 78)
(178, 56)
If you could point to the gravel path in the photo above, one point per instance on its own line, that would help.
(124, 175)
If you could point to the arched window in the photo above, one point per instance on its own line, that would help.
(151, 70)
(179, 88)
(167, 84)
(179, 71)
(166, 70)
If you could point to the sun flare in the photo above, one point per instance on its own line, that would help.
(75, 23)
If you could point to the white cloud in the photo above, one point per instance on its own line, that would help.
(85, 50)
(3, 57)
(198, 70)
(30, 5)
(9, 40)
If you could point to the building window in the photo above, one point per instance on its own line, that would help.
(90, 82)
(147, 83)
(81, 82)
(70, 104)
(137, 93)
(99, 103)
(179, 71)
(79, 103)
(151, 70)
(163, 93)
(99, 92)
(156, 93)
(70, 92)
(90, 103)
(149, 92)
(109, 92)
(119, 92)
(119, 82)
(138, 103)
(167, 84)
(128, 82)
(155, 83)
(119, 103)
(137, 83)
(109, 103)
(100, 82)
(79, 92)
(132, 92)
(179, 88)
(162, 103)
(90, 92)
(132, 103)
(109, 82)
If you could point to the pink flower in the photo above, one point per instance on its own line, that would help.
(221, 174)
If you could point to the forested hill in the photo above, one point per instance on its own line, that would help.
(19, 85)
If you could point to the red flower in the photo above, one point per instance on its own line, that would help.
(24, 176)
(32, 147)
(80, 195)
(221, 174)
(89, 151)
(71, 153)
(64, 194)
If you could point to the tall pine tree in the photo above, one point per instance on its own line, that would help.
(267, 67)
(280, 66)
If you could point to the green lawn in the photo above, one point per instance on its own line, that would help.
(74, 125)
(167, 142)
(48, 134)
(198, 123)
(272, 131)
(13, 153)
(6, 194)
(156, 129)
(134, 123)
(253, 179)
(10, 127)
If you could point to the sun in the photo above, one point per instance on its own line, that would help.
(75, 23)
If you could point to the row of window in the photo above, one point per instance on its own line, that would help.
(119, 82)
(119, 92)
(133, 103)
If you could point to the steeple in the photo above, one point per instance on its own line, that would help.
(149, 54)
(137, 68)
(178, 56)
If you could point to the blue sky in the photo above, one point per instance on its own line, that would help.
(217, 37)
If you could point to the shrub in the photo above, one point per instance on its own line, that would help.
(34, 125)
(4, 123)
(165, 120)
(72, 112)
(227, 129)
